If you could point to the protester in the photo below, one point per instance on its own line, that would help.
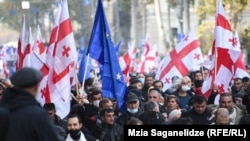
(51, 109)
(74, 129)
(108, 130)
(199, 112)
(222, 117)
(28, 122)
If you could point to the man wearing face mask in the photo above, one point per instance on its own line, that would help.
(184, 94)
(133, 110)
(176, 80)
(75, 133)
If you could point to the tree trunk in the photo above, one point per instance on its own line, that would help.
(133, 20)
(161, 31)
(186, 16)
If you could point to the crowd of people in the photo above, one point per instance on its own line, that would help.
(94, 117)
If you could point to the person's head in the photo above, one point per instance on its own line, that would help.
(97, 85)
(172, 102)
(134, 121)
(138, 93)
(247, 88)
(198, 75)
(151, 106)
(149, 79)
(137, 83)
(174, 115)
(108, 116)
(154, 94)
(141, 77)
(132, 102)
(158, 84)
(226, 101)
(95, 97)
(222, 116)
(105, 103)
(51, 109)
(185, 84)
(74, 125)
(199, 103)
(27, 79)
(237, 85)
(176, 81)
(238, 99)
(89, 83)
(205, 72)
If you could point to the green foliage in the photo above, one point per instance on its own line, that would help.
(207, 8)
(245, 38)
(205, 35)
(11, 11)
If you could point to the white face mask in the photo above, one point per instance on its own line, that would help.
(185, 88)
(132, 111)
(96, 103)
(142, 80)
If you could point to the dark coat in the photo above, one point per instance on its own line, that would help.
(124, 118)
(198, 119)
(108, 132)
(87, 113)
(4, 123)
(28, 122)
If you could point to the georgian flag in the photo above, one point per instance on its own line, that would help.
(186, 56)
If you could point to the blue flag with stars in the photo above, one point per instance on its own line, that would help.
(101, 48)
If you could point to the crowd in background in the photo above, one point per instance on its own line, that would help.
(94, 117)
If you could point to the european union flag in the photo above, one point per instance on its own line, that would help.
(102, 49)
(82, 67)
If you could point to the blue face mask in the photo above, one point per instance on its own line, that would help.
(132, 111)
(142, 80)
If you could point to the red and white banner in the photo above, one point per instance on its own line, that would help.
(185, 57)
(240, 70)
(21, 47)
(38, 58)
(225, 54)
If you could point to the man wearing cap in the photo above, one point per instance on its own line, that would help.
(28, 122)
(133, 109)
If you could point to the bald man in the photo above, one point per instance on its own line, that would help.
(222, 117)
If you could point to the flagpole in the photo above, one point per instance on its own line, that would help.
(202, 69)
(76, 79)
(85, 72)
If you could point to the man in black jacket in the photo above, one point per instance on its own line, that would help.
(107, 129)
(199, 112)
(28, 122)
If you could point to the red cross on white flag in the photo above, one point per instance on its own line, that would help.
(65, 58)
(38, 58)
(225, 54)
(180, 60)
(239, 65)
